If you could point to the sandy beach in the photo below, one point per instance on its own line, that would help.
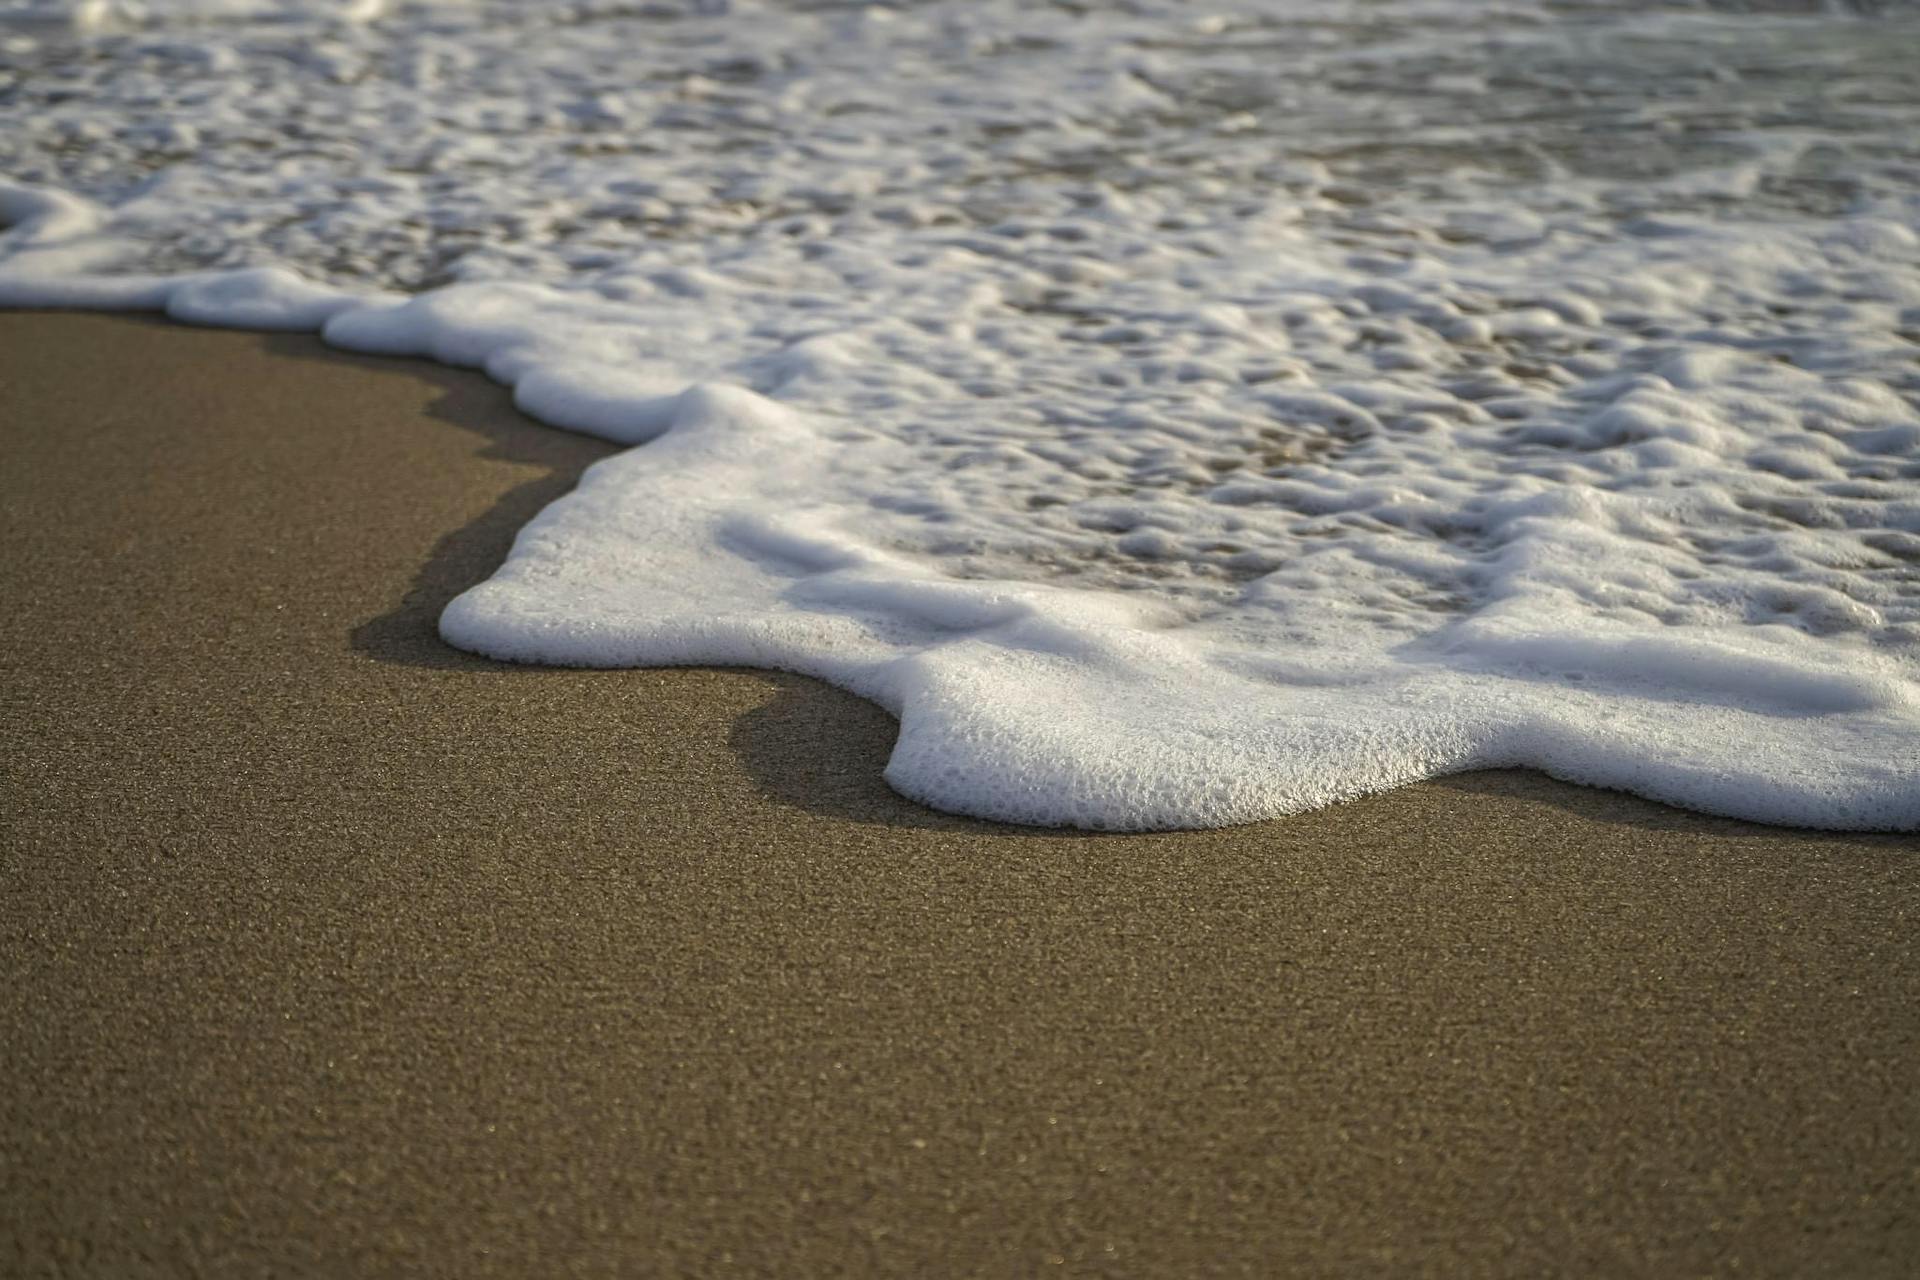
(331, 950)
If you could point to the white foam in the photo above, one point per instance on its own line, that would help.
(1172, 422)
(110, 16)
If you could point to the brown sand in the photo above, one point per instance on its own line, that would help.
(326, 949)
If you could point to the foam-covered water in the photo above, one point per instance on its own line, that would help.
(1175, 414)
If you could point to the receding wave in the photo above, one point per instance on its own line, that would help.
(1174, 418)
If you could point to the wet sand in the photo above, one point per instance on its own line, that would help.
(330, 950)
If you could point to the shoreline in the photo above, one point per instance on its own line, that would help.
(335, 947)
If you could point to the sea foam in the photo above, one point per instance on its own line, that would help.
(1173, 418)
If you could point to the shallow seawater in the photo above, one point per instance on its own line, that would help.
(1177, 414)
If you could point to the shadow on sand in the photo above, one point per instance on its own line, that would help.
(408, 634)
(1619, 808)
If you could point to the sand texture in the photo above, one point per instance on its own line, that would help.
(325, 949)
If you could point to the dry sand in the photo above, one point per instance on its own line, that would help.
(327, 949)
